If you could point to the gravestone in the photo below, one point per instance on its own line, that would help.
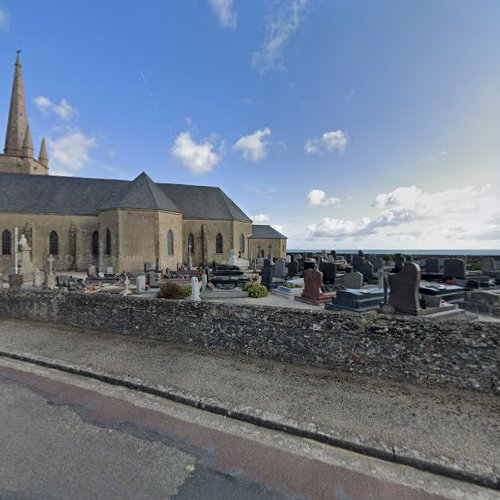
(323, 254)
(126, 284)
(158, 267)
(148, 267)
(25, 264)
(489, 265)
(195, 290)
(267, 274)
(204, 281)
(38, 278)
(329, 270)
(140, 283)
(366, 270)
(378, 264)
(313, 288)
(333, 254)
(280, 270)
(353, 279)
(15, 281)
(454, 268)
(432, 265)
(309, 264)
(293, 269)
(109, 270)
(357, 262)
(288, 258)
(91, 271)
(399, 262)
(404, 296)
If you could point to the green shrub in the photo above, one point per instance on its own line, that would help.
(174, 291)
(255, 290)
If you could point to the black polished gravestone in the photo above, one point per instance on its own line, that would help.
(266, 274)
(454, 268)
(399, 262)
(366, 269)
(357, 262)
(293, 269)
(329, 270)
(309, 265)
(405, 298)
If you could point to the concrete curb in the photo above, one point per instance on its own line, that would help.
(221, 409)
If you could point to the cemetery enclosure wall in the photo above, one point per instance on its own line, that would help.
(74, 238)
(421, 351)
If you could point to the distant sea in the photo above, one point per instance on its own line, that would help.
(408, 252)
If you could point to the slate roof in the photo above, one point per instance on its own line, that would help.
(143, 193)
(265, 232)
(85, 196)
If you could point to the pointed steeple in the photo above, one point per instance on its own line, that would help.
(27, 143)
(43, 158)
(18, 119)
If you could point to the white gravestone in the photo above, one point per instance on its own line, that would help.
(140, 283)
(195, 290)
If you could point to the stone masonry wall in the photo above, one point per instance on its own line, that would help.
(454, 354)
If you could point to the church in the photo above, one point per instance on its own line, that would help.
(114, 223)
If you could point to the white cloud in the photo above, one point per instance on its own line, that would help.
(4, 19)
(335, 140)
(70, 152)
(284, 21)
(224, 10)
(318, 198)
(253, 146)
(198, 158)
(63, 109)
(435, 219)
(260, 218)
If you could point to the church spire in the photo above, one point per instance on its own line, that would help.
(43, 158)
(27, 143)
(18, 119)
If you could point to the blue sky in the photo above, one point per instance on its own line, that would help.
(346, 124)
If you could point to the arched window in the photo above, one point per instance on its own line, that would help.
(242, 244)
(6, 242)
(53, 243)
(108, 242)
(218, 243)
(170, 242)
(191, 244)
(95, 243)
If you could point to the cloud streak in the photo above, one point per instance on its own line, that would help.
(284, 20)
(225, 12)
(63, 109)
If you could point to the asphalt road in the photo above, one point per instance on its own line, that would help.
(65, 436)
(455, 429)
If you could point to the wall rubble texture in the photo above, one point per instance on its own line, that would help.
(454, 354)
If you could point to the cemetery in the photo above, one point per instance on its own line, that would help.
(435, 288)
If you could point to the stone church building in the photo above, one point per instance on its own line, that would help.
(113, 223)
